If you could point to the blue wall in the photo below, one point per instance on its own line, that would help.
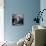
(43, 6)
(28, 7)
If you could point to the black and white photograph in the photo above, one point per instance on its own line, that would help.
(17, 19)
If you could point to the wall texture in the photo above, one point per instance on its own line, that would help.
(26, 7)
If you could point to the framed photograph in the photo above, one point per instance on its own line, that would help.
(17, 19)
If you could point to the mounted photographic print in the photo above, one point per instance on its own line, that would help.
(17, 19)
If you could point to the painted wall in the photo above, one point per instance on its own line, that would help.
(1, 20)
(43, 6)
(26, 7)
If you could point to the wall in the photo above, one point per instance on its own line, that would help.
(1, 20)
(43, 6)
(26, 7)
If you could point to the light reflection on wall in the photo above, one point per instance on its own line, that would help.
(1, 21)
